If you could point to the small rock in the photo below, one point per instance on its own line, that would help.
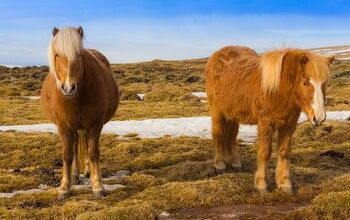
(333, 154)
(164, 215)
(122, 173)
(328, 129)
(57, 163)
(17, 170)
(192, 79)
(118, 176)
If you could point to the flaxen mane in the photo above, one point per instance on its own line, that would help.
(271, 63)
(67, 42)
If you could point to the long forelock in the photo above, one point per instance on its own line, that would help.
(67, 42)
(317, 67)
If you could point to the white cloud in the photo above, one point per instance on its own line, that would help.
(130, 40)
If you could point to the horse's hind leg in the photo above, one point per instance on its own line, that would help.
(67, 138)
(218, 132)
(75, 166)
(87, 167)
(83, 153)
(233, 157)
(93, 136)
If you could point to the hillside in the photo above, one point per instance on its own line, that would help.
(168, 86)
(341, 52)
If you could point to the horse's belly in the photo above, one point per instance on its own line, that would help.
(240, 111)
(244, 117)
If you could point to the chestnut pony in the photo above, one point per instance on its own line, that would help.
(79, 95)
(269, 90)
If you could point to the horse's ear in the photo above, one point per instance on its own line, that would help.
(303, 60)
(80, 31)
(55, 31)
(330, 59)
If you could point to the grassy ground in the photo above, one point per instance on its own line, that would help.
(169, 174)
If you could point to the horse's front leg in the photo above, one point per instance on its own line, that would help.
(282, 168)
(67, 137)
(265, 133)
(93, 137)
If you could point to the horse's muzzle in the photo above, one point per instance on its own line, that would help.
(69, 90)
(318, 121)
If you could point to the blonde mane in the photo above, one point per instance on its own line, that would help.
(317, 67)
(67, 42)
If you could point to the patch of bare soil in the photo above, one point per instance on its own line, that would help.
(241, 212)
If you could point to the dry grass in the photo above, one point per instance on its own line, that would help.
(174, 173)
(18, 110)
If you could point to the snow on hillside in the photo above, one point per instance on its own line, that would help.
(341, 52)
(10, 65)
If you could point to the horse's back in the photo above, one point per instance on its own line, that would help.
(228, 57)
(232, 80)
(100, 57)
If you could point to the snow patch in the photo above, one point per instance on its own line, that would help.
(32, 97)
(84, 186)
(41, 188)
(200, 94)
(154, 128)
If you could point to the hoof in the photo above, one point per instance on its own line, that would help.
(99, 194)
(220, 167)
(286, 189)
(76, 180)
(63, 195)
(236, 168)
(86, 174)
(262, 190)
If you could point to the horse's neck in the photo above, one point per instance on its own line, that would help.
(284, 99)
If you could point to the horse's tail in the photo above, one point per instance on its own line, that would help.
(82, 152)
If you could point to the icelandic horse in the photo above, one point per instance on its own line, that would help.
(79, 95)
(269, 90)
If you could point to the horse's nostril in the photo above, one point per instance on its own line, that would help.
(314, 120)
(73, 86)
(62, 87)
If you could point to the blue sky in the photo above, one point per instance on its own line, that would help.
(139, 30)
